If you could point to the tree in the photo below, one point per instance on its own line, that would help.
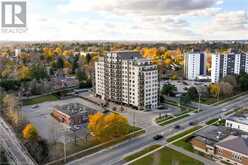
(231, 79)
(193, 93)
(12, 108)
(67, 53)
(88, 58)
(226, 89)
(107, 127)
(185, 99)
(38, 72)
(243, 81)
(60, 63)
(214, 89)
(29, 132)
(174, 77)
(81, 75)
(169, 89)
(23, 73)
(58, 51)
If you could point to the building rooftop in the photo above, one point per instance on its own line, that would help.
(213, 133)
(74, 109)
(127, 54)
(235, 143)
(239, 119)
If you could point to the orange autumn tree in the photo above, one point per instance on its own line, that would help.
(107, 127)
(29, 132)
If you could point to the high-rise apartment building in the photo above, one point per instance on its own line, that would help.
(228, 64)
(125, 77)
(195, 65)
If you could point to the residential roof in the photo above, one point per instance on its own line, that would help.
(239, 119)
(235, 143)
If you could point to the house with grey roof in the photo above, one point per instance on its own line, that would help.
(233, 149)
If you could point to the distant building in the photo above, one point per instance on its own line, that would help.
(235, 122)
(72, 114)
(228, 64)
(125, 77)
(195, 65)
(18, 52)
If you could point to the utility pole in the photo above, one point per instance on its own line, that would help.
(64, 146)
(134, 118)
(199, 104)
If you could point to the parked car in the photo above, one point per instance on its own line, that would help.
(158, 137)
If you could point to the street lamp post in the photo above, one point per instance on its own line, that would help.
(64, 147)
(134, 118)
(199, 104)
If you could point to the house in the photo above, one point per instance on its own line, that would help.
(72, 114)
(205, 139)
(222, 143)
(237, 122)
(233, 149)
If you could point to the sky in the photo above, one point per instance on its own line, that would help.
(143, 20)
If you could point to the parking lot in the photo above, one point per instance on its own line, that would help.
(182, 86)
(47, 126)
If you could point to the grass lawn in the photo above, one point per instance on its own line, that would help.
(75, 151)
(173, 120)
(40, 100)
(138, 154)
(208, 101)
(213, 100)
(163, 118)
(183, 133)
(167, 156)
(220, 123)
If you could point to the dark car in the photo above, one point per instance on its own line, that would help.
(158, 137)
(177, 127)
(193, 123)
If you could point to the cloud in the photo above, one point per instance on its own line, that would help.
(227, 25)
(229, 21)
(143, 7)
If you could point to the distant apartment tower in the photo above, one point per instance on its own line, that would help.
(125, 77)
(195, 65)
(228, 64)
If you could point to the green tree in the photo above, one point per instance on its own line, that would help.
(193, 93)
(243, 81)
(81, 75)
(169, 89)
(38, 72)
(185, 99)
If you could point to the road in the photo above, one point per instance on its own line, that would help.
(11, 144)
(115, 154)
